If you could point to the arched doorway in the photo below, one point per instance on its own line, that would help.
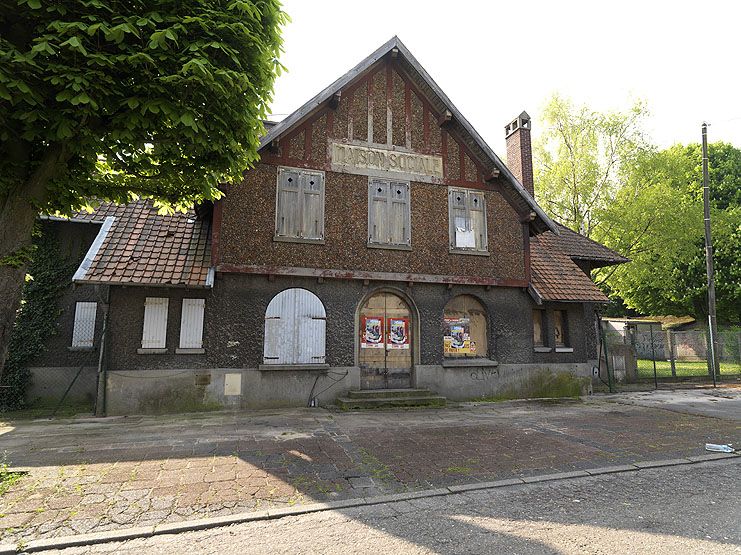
(385, 342)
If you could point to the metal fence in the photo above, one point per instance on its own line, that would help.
(669, 355)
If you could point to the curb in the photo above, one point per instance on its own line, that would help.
(273, 514)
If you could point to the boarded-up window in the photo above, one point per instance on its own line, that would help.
(83, 333)
(295, 329)
(155, 323)
(388, 213)
(191, 324)
(561, 328)
(467, 219)
(538, 329)
(300, 204)
(465, 327)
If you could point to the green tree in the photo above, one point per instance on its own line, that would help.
(581, 159)
(107, 99)
(657, 221)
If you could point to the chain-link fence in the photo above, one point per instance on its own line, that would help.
(670, 355)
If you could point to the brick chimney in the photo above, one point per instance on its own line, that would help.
(520, 152)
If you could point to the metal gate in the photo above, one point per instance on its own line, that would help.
(385, 343)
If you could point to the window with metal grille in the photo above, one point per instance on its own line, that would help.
(299, 212)
(83, 333)
(295, 329)
(389, 213)
(467, 220)
(154, 332)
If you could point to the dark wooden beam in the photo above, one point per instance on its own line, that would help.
(445, 118)
(334, 102)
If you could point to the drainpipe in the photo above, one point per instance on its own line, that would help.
(100, 401)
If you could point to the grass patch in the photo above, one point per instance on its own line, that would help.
(43, 408)
(7, 478)
(544, 384)
(684, 368)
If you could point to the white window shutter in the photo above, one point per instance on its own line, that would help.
(398, 214)
(154, 333)
(312, 205)
(295, 329)
(378, 231)
(287, 214)
(477, 211)
(83, 333)
(191, 324)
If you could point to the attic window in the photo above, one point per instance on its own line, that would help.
(467, 221)
(300, 206)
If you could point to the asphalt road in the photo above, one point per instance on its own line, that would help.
(684, 509)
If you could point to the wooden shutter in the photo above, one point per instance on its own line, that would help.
(287, 213)
(295, 329)
(83, 333)
(398, 214)
(191, 324)
(312, 205)
(458, 217)
(378, 193)
(155, 323)
(477, 217)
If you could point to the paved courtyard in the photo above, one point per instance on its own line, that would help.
(101, 474)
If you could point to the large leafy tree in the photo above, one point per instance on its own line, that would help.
(104, 99)
(657, 220)
(581, 158)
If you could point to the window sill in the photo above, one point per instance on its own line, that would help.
(321, 367)
(298, 240)
(80, 349)
(452, 250)
(542, 349)
(465, 362)
(564, 349)
(190, 351)
(151, 351)
(389, 247)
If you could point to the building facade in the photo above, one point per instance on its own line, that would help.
(379, 243)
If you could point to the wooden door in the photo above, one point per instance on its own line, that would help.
(385, 343)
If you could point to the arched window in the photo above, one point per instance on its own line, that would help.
(464, 328)
(295, 329)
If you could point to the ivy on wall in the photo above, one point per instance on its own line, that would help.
(48, 277)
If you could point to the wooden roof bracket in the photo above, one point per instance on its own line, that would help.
(445, 118)
(334, 101)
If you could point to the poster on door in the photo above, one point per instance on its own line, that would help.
(457, 337)
(371, 329)
(398, 333)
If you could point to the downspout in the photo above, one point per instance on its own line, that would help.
(100, 401)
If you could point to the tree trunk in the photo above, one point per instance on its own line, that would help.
(18, 211)
(17, 217)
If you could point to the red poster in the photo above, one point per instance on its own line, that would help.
(397, 331)
(371, 332)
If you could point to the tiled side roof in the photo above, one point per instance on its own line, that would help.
(555, 276)
(577, 246)
(146, 248)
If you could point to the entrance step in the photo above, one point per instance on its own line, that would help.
(381, 393)
(389, 398)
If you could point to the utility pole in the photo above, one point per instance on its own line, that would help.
(713, 358)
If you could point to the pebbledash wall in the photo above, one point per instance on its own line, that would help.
(233, 343)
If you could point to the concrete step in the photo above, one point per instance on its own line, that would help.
(346, 403)
(384, 393)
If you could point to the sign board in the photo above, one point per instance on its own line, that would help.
(366, 160)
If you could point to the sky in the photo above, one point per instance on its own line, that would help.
(495, 59)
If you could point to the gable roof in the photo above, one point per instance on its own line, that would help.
(542, 221)
(138, 246)
(579, 247)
